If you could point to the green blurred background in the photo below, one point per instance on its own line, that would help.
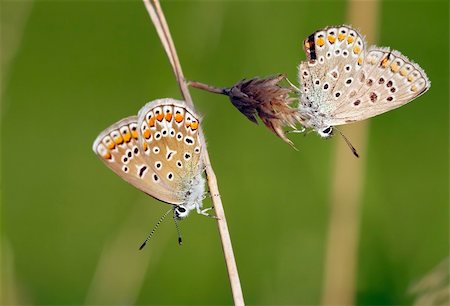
(71, 228)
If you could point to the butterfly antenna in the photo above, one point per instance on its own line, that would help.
(180, 241)
(154, 228)
(349, 144)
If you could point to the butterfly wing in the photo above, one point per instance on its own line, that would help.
(334, 55)
(171, 144)
(387, 81)
(343, 82)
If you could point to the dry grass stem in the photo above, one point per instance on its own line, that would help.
(341, 258)
(154, 9)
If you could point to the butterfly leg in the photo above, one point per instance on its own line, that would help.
(301, 130)
(204, 212)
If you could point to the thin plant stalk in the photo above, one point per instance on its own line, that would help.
(156, 14)
(341, 259)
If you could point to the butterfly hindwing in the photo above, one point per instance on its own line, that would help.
(171, 143)
(388, 80)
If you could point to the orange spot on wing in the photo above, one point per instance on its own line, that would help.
(134, 134)
(356, 50)
(147, 134)
(145, 146)
(349, 39)
(394, 67)
(360, 61)
(127, 136)
(151, 122)
(178, 118)
(331, 39)
(194, 125)
(320, 41)
(118, 140)
(168, 116)
(403, 72)
(111, 145)
(107, 155)
(160, 117)
(341, 37)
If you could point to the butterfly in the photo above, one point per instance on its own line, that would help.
(159, 151)
(343, 81)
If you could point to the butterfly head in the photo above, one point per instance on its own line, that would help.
(180, 212)
(326, 132)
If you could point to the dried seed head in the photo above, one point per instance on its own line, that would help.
(261, 97)
(268, 100)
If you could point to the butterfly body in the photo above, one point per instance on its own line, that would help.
(342, 81)
(159, 152)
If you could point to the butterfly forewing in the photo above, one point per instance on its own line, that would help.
(171, 144)
(334, 54)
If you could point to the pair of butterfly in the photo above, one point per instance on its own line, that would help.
(160, 151)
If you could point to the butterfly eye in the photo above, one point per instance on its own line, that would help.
(326, 132)
(180, 212)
